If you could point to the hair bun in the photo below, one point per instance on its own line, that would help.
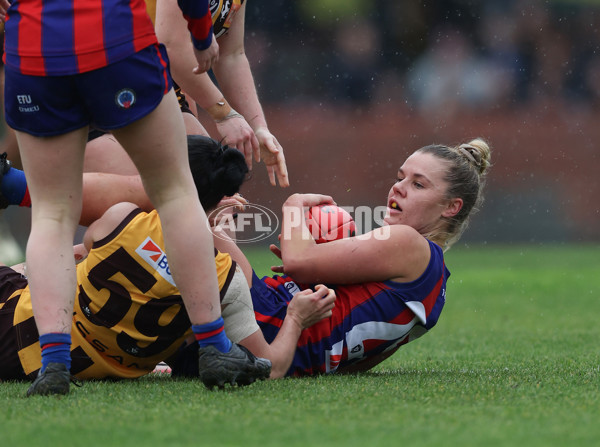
(478, 153)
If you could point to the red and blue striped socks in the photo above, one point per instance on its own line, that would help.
(212, 334)
(56, 348)
(14, 188)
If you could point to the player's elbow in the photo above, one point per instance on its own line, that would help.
(298, 270)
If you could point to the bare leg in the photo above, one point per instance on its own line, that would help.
(101, 191)
(54, 166)
(105, 154)
(157, 144)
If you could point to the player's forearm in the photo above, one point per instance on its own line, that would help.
(237, 84)
(171, 31)
(198, 86)
(297, 243)
(283, 348)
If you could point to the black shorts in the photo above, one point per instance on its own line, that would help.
(10, 365)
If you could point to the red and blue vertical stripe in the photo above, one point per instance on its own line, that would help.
(62, 37)
(197, 14)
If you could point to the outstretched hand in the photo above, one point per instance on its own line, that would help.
(236, 132)
(271, 153)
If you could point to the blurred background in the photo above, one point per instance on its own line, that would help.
(351, 87)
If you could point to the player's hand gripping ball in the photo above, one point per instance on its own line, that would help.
(329, 223)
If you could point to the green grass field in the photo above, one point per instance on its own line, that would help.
(513, 361)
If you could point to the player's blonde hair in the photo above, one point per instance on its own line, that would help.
(468, 164)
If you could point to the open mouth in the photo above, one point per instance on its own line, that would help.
(394, 205)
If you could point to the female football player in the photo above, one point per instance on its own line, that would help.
(391, 285)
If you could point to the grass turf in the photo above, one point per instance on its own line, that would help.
(514, 360)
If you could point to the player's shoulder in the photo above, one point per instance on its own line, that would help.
(118, 212)
(112, 219)
(398, 236)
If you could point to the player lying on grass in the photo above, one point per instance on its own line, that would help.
(391, 286)
(128, 313)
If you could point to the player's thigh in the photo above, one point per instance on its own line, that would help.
(157, 144)
(54, 166)
(105, 154)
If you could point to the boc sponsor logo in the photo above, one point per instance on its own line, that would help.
(153, 255)
(255, 223)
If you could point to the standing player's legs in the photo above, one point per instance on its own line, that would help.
(157, 145)
(51, 126)
(53, 166)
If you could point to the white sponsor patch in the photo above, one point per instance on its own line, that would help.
(153, 255)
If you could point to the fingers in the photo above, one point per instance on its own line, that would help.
(241, 199)
(326, 301)
(309, 200)
(271, 174)
(237, 133)
(277, 269)
(275, 250)
(256, 148)
(328, 296)
(247, 151)
(206, 58)
(282, 173)
(234, 202)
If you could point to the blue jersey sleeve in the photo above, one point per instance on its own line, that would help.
(199, 19)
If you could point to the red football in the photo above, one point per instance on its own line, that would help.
(329, 222)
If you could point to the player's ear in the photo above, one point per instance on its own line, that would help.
(453, 207)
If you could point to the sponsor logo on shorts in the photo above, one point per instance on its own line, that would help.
(150, 252)
(125, 98)
(25, 104)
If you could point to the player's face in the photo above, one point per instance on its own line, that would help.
(417, 198)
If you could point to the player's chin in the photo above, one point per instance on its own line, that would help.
(390, 220)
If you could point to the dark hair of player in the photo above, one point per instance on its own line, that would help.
(218, 170)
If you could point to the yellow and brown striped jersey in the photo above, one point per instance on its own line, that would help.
(128, 313)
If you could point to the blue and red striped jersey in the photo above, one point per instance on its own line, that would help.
(63, 37)
(368, 320)
(197, 14)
